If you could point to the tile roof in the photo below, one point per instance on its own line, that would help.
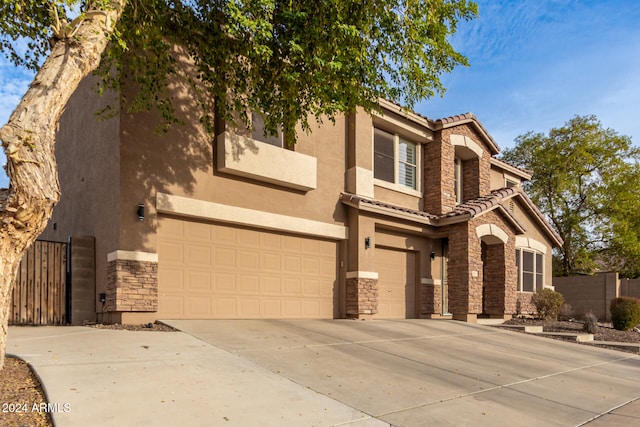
(482, 204)
(445, 122)
(354, 199)
(464, 211)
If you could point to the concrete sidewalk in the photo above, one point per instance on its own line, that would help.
(124, 378)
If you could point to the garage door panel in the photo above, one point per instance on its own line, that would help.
(199, 306)
(171, 252)
(199, 281)
(243, 273)
(290, 244)
(248, 284)
(293, 287)
(292, 264)
(270, 241)
(396, 283)
(248, 308)
(195, 231)
(224, 257)
(173, 306)
(223, 283)
(173, 278)
(199, 255)
(271, 262)
(223, 235)
(271, 285)
(248, 260)
(247, 238)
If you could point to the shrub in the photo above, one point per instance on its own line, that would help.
(548, 303)
(590, 324)
(566, 312)
(625, 313)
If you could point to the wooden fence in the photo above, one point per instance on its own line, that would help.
(40, 294)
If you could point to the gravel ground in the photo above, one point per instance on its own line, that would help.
(605, 331)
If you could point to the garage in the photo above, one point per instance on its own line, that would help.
(396, 283)
(223, 271)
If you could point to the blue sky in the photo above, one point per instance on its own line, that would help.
(534, 65)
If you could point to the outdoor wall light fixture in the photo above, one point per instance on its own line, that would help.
(367, 242)
(433, 255)
(140, 212)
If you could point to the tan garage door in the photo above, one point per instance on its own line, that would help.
(396, 284)
(214, 271)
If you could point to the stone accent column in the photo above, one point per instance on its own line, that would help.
(432, 297)
(361, 295)
(132, 282)
(494, 280)
(439, 192)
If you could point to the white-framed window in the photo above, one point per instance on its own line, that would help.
(257, 131)
(457, 179)
(510, 183)
(395, 159)
(530, 270)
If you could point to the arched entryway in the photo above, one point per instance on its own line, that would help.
(493, 240)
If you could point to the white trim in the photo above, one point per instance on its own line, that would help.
(362, 275)
(465, 141)
(396, 187)
(193, 208)
(528, 242)
(492, 230)
(429, 281)
(132, 256)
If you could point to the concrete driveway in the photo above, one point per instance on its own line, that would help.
(327, 373)
(420, 372)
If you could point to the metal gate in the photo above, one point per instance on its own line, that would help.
(40, 294)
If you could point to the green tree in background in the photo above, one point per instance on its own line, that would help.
(290, 59)
(585, 180)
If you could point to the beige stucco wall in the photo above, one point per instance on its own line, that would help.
(183, 161)
(499, 177)
(533, 230)
(88, 155)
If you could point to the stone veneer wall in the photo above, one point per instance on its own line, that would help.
(466, 270)
(132, 286)
(500, 270)
(439, 194)
(432, 299)
(476, 173)
(362, 297)
(524, 306)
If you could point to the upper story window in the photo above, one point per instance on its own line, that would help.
(457, 179)
(257, 131)
(395, 159)
(510, 183)
(530, 270)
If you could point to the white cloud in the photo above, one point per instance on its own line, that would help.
(537, 63)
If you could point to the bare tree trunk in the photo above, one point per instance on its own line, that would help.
(28, 140)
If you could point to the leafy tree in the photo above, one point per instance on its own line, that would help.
(292, 59)
(584, 181)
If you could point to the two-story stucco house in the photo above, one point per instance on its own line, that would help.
(390, 216)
